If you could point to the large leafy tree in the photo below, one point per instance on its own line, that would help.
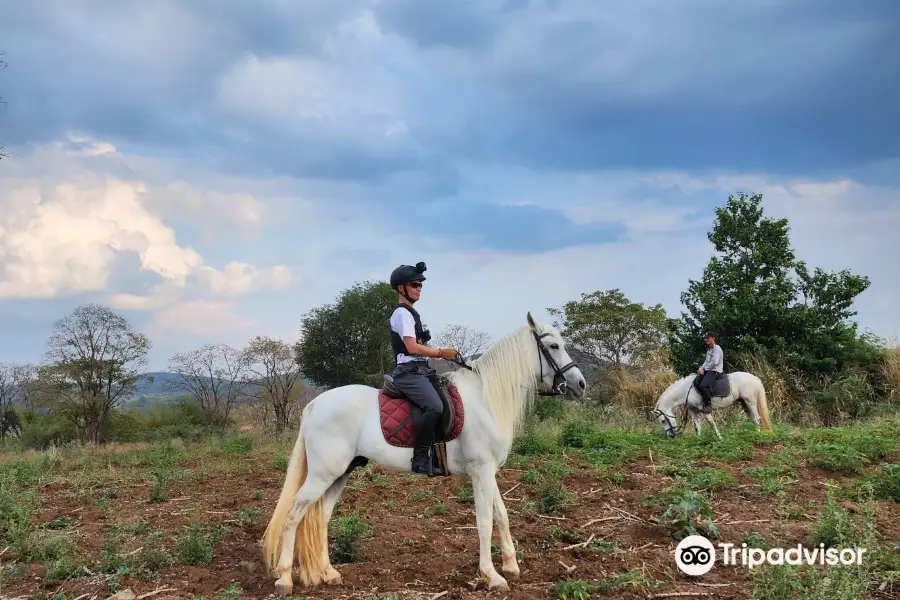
(348, 341)
(760, 298)
(612, 330)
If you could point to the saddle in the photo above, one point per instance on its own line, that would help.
(448, 417)
(720, 388)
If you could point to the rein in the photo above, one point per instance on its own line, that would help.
(559, 380)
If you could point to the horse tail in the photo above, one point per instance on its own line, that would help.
(762, 407)
(311, 534)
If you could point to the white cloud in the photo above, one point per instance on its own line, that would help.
(212, 318)
(62, 234)
(220, 215)
(240, 278)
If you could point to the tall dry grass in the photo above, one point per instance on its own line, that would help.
(890, 369)
(786, 391)
(637, 390)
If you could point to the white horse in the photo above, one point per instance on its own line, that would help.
(343, 424)
(746, 388)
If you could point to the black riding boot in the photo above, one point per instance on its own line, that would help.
(707, 401)
(421, 460)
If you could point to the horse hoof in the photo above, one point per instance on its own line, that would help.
(511, 573)
(283, 589)
(333, 577)
(499, 585)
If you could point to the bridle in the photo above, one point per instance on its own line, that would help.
(669, 426)
(559, 379)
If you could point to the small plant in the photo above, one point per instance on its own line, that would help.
(755, 540)
(552, 496)
(833, 527)
(160, 481)
(688, 511)
(886, 483)
(530, 475)
(349, 532)
(380, 479)
(710, 479)
(627, 579)
(198, 545)
(464, 495)
(563, 535)
(420, 496)
(232, 592)
(575, 589)
(247, 517)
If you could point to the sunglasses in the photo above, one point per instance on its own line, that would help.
(415, 284)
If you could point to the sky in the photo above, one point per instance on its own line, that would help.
(215, 169)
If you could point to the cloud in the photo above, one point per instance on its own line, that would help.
(221, 168)
(69, 235)
(374, 90)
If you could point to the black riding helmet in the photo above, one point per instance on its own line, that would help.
(407, 274)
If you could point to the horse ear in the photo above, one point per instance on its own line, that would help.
(531, 322)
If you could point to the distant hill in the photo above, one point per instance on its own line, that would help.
(159, 390)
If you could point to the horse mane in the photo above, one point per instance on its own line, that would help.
(508, 382)
(673, 387)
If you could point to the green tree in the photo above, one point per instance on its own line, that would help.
(94, 360)
(759, 298)
(611, 329)
(348, 341)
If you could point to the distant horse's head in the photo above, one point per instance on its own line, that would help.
(558, 374)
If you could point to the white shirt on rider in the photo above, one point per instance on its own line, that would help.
(403, 323)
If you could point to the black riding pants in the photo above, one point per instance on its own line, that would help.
(705, 384)
(413, 379)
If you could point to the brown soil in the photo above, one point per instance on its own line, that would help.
(416, 553)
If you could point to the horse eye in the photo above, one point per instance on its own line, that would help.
(554, 346)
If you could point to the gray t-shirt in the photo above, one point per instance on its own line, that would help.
(714, 360)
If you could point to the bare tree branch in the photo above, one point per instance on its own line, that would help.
(274, 363)
(14, 383)
(468, 342)
(216, 375)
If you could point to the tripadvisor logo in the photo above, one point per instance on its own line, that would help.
(695, 555)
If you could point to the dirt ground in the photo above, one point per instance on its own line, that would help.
(416, 552)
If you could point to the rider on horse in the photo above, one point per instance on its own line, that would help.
(412, 374)
(709, 371)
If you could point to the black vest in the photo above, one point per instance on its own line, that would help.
(423, 336)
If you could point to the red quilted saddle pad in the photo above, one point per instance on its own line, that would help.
(396, 422)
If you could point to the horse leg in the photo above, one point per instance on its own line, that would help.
(695, 419)
(332, 576)
(306, 497)
(510, 567)
(484, 485)
(752, 413)
(713, 423)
